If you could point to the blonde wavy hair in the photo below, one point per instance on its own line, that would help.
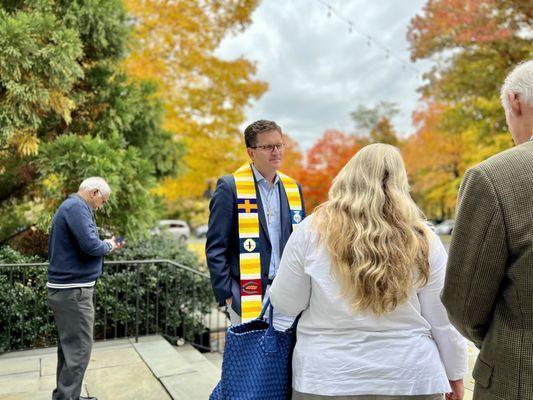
(375, 233)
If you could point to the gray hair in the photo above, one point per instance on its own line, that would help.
(519, 81)
(95, 183)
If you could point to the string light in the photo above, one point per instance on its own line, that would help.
(352, 27)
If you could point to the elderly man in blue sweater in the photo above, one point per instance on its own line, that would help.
(76, 256)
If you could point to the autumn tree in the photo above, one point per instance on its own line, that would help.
(293, 159)
(68, 111)
(375, 122)
(477, 41)
(487, 40)
(433, 157)
(469, 24)
(324, 160)
(205, 96)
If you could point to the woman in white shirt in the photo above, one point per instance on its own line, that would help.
(367, 273)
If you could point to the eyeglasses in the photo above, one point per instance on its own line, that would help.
(104, 200)
(269, 148)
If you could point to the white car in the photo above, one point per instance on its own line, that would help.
(178, 228)
(445, 228)
(201, 231)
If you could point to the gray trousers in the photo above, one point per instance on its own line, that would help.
(74, 316)
(305, 396)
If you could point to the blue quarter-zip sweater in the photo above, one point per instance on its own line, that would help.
(74, 247)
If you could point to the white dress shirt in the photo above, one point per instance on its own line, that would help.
(270, 199)
(412, 350)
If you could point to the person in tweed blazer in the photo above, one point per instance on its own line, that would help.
(488, 291)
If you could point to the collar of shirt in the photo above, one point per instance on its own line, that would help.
(259, 177)
(82, 199)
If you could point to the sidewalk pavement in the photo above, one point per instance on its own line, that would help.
(123, 369)
(116, 371)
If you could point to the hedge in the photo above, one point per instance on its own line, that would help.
(170, 301)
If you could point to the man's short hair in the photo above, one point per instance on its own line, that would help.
(261, 126)
(519, 81)
(95, 183)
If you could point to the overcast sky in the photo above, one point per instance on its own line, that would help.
(318, 72)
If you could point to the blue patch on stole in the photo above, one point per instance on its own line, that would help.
(296, 216)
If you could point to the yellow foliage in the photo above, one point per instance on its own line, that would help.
(448, 142)
(205, 96)
(62, 105)
(51, 181)
(434, 160)
(206, 160)
(25, 143)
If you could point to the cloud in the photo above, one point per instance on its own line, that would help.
(318, 72)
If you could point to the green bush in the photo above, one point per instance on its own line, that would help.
(69, 111)
(24, 316)
(171, 301)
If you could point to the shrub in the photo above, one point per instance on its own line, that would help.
(171, 301)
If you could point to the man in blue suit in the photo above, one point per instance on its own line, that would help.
(264, 143)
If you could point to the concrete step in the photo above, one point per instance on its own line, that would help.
(215, 359)
(115, 371)
(161, 358)
(184, 372)
(191, 386)
(198, 360)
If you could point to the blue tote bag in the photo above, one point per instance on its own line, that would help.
(257, 361)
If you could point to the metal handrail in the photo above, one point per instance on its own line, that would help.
(192, 284)
(117, 262)
(25, 265)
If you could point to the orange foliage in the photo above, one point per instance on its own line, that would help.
(433, 158)
(292, 158)
(448, 23)
(324, 160)
(462, 122)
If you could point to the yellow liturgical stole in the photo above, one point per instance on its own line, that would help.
(249, 248)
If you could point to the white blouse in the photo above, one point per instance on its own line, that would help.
(412, 350)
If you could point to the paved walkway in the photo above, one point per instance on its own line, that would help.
(119, 369)
(123, 369)
(116, 371)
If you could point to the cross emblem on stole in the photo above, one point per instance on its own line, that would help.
(247, 206)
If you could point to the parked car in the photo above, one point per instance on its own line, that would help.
(431, 223)
(201, 231)
(178, 228)
(445, 228)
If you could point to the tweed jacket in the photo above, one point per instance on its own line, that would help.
(488, 290)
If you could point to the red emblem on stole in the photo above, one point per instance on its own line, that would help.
(251, 287)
